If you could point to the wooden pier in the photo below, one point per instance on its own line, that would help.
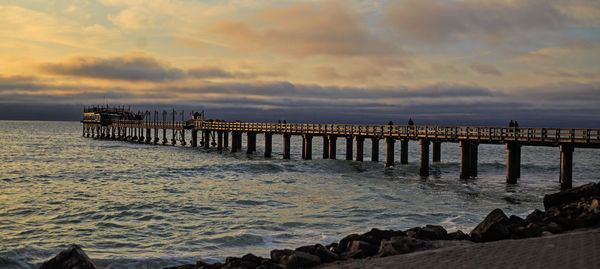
(215, 134)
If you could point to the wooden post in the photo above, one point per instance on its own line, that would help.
(183, 142)
(465, 159)
(148, 135)
(308, 147)
(286, 145)
(474, 158)
(375, 149)
(437, 151)
(206, 139)
(226, 139)
(234, 141)
(518, 156)
(389, 152)
(349, 140)
(250, 142)
(424, 157)
(194, 138)
(268, 144)
(404, 151)
(220, 140)
(303, 148)
(512, 166)
(360, 144)
(566, 166)
(325, 147)
(332, 146)
(164, 141)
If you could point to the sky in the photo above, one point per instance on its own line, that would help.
(452, 62)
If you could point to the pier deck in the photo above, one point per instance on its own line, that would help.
(468, 137)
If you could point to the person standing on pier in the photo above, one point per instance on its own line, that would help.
(410, 122)
(511, 124)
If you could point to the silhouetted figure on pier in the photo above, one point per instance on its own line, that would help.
(410, 122)
(511, 124)
(516, 124)
(278, 121)
(284, 122)
(390, 123)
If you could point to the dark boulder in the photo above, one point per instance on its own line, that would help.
(281, 256)
(320, 251)
(345, 243)
(560, 198)
(185, 266)
(294, 259)
(365, 248)
(429, 232)
(537, 216)
(458, 235)
(70, 258)
(554, 228)
(304, 260)
(400, 245)
(248, 261)
(374, 236)
(492, 228)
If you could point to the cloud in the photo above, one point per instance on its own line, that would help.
(304, 30)
(485, 69)
(129, 68)
(209, 72)
(491, 21)
(22, 83)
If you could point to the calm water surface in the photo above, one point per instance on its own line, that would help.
(144, 206)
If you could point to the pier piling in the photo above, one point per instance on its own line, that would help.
(424, 171)
(286, 145)
(268, 144)
(360, 141)
(349, 154)
(332, 146)
(403, 151)
(512, 164)
(437, 154)
(325, 147)
(389, 151)
(308, 146)
(374, 149)
(566, 166)
(465, 159)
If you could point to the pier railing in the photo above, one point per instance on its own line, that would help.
(524, 135)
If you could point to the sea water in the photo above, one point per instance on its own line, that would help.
(144, 206)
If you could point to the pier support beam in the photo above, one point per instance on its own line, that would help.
(303, 148)
(183, 142)
(424, 158)
(307, 138)
(566, 166)
(389, 151)
(148, 135)
(206, 139)
(286, 145)
(268, 144)
(360, 145)
(374, 149)
(474, 158)
(250, 142)
(437, 151)
(220, 140)
(173, 141)
(325, 147)
(332, 146)
(512, 165)
(194, 138)
(234, 141)
(404, 151)
(349, 155)
(465, 159)
(226, 139)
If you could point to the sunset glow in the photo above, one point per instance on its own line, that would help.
(470, 58)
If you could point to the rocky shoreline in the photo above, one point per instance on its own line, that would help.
(563, 211)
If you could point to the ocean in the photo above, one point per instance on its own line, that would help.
(133, 205)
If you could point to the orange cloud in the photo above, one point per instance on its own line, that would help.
(304, 30)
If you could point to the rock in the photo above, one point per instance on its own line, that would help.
(320, 251)
(458, 235)
(281, 256)
(374, 236)
(429, 232)
(304, 260)
(594, 207)
(492, 228)
(531, 230)
(553, 227)
(70, 258)
(400, 245)
(366, 248)
(332, 247)
(537, 216)
(572, 195)
(247, 261)
(345, 243)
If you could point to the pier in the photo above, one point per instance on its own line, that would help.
(217, 134)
